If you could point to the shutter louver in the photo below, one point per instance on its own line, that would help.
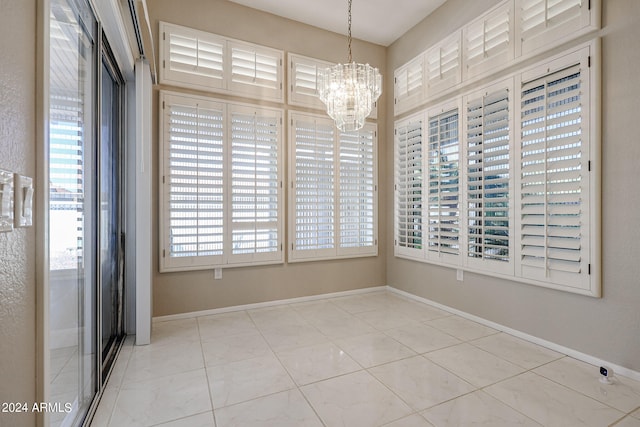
(489, 42)
(314, 185)
(444, 187)
(254, 186)
(488, 181)
(553, 178)
(357, 192)
(409, 173)
(195, 182)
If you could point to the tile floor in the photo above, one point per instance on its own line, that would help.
(363, 360)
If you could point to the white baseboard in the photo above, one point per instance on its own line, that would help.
(619, 370)
(267, 304)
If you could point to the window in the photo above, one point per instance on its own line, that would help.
(510, 33)
(508, 187)
(408, 187)
(303, 80)
(443, 64)
(489, 179)
(557, 227)
(205, 61)
(333, 197)
(544, 24)
(443, 185)
(408, 85)
(212, 214)
(489, 41)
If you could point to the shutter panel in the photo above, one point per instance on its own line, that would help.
(489, 42)
(192, 57)
(303, 81)
(193, 195)
(554, 181)
(256, 70)
(443, 64)
(409, 85)
(313, 193)
(444, 188)
(544, 24)
(489, 176)
(255, 185)
(357, 200)
(408, 188)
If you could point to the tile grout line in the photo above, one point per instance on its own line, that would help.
(206, 373)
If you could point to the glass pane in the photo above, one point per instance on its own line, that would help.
(71, 277)
(109, 211)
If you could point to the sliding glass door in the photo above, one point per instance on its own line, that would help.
(85, 210)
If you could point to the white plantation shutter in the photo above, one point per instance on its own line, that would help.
(303, 80)
(221, 184)
(489, 178)
(333, 192)
(544, 24)
(193, 183)
(489, 41)
(358, 188)
(443, 188)
(313, 176)
(191, 56)
(256, 198)
(205, 61)
(256, 69)
(409, 85)
(409, 187)
(554, 175)
(443, 64)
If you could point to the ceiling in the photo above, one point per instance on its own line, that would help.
(376, 21)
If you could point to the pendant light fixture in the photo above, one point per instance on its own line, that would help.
(349, 90)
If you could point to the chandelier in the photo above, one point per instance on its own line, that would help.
(349, 90)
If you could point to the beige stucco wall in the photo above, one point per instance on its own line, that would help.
(197, 290)
(17, 248)
(607, 328)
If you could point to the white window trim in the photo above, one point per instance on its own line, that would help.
(586, 52)
(336, 252)
(226, 259)
(224, 85)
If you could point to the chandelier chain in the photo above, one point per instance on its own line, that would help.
(349, 39)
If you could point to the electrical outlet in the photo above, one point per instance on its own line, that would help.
(217, 273)
(459, 275)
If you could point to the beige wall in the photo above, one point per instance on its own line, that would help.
(194, 291)
(607, 328)
(17, 249)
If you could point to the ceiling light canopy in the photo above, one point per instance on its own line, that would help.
(349, 90)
